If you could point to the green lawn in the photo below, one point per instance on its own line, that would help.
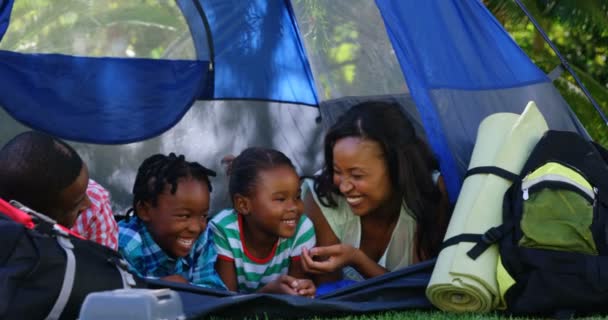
(432, 315)
(436, 315)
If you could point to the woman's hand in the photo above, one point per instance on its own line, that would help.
(327, 259)
(286, 284)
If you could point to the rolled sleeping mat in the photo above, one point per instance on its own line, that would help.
(459, 283)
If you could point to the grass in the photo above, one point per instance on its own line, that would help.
(438, 315)
(431, 315)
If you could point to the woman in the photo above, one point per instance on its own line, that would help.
(379, 203)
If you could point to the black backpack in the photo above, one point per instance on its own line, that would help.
(46, 272)
(553, 242)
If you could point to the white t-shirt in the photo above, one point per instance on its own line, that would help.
(347, 227)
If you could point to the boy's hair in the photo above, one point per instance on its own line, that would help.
(35, 168)
(158, 170)
(244, 169)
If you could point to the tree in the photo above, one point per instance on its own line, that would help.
(580, 31)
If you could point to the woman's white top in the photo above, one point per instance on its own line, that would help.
(347, 227)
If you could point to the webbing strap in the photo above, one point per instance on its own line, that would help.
(482, 241)
(463, 237)
(68, 278)
(493, 170)
(127, 278)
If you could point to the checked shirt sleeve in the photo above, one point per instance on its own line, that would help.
(97, 223)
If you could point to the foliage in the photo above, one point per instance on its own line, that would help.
(579, 29)
(348, 58)
(154, 29)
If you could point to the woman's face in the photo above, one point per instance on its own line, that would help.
(361, 174)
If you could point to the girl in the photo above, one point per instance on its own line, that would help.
(260, 240)
(165, 238)
(379, 203)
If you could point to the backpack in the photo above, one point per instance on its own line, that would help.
(553, 242)
(46, 271)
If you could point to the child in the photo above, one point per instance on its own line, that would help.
(260, 240)
(165, 238)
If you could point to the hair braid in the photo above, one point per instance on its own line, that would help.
(158, 170)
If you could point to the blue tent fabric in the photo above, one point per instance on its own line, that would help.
(447, 51)
(399, 290)
(257, 56)
(102, 100)
(5, 13)
(258, 52)
(446, 46)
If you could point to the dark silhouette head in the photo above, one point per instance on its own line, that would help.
(44, 174)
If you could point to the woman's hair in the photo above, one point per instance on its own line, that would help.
(158, 170)
(35, 168)
(244, 169)
(409, 161)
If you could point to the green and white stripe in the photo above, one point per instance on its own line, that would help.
(252, 275)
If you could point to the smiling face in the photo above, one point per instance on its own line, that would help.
(274, 207)
(361, 174)
(178, 219)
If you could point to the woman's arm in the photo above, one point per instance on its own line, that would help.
(329, 256)
(339, 256)
(325, 237)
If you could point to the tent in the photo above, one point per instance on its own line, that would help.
(125, 79)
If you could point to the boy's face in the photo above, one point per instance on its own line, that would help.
(178, 219)
(276, 207)
(73, 200)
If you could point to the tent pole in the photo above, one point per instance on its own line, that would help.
(563, 60)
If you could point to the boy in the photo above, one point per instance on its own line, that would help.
(44, 174)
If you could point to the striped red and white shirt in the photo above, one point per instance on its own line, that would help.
(97, 223)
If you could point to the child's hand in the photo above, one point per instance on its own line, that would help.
(175, 278)
(286, 284)
(306, 288)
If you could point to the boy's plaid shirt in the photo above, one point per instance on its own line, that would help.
(97, 222)
(148, 260)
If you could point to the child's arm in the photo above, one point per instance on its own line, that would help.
(296, 270)
(303, 239)
(227, 271)
(224, 264)
(175, 278)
